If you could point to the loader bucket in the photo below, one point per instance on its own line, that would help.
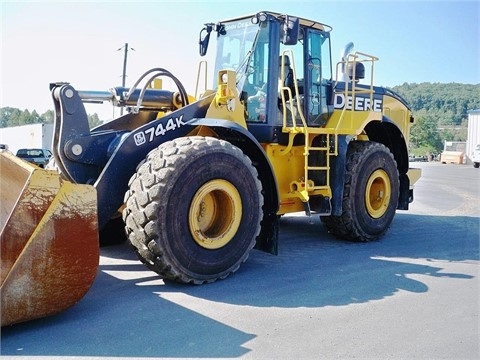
(49, 241)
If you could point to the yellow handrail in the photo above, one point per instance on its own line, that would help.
(203, 62)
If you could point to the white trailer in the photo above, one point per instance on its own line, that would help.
(473, 136)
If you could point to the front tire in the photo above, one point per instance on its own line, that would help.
(370, 196)
(193, 210)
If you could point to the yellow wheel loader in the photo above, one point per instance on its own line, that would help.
(201, 181)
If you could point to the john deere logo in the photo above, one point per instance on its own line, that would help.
(360, 103)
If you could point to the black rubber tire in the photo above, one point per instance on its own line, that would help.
(476, 165)
(159, 200)
(364, 158)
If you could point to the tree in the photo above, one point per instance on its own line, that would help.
(15, 117)
(441, 106)
(48, 116)
(7, 114)
(424, 135)
(94, 121)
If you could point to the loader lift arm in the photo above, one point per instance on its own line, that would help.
(107, 158)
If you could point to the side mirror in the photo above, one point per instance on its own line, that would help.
(290, 30)
(205, 38)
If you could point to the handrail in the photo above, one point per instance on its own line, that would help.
(350, 86)
(203, 62)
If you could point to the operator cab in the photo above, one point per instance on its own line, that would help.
(284, 70)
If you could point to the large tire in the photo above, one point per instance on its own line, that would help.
(370, 195)
(193, 210)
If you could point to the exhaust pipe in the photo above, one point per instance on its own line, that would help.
(348, 49)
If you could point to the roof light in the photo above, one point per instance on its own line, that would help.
(258, 18)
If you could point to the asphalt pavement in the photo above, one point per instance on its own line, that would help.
(412, 295)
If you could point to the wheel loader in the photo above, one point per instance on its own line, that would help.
(199, 181)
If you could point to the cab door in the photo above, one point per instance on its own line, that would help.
(318, 96)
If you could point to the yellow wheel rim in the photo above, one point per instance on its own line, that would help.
(215, 214)
(378, 193)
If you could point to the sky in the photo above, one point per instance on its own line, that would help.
(82, 42)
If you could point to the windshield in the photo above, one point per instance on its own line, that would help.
(235, 49)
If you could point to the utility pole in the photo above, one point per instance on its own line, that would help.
(124, 73)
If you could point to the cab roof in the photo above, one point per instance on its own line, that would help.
(303, 22)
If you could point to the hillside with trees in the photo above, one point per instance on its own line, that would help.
(15, 117)
(440, 111)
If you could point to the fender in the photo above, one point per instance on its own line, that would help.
(112, 183)
(387, 133)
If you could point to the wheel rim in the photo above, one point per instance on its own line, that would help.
(378, 193)
(215, 214)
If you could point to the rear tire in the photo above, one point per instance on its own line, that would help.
(370, 195)
(193, 210)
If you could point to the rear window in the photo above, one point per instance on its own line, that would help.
(30, 153)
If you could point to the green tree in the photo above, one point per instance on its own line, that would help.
(424, 135)
(94, 121)
(15, 117)
(48, 116)
(7, 116)
(443, 104)
(35, 118)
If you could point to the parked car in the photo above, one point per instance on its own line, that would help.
(4, 147)
(39, 157)
(413, 158)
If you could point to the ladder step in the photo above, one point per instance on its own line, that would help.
(318, 187)
(328, 147)
(318, 148)
(318, 167)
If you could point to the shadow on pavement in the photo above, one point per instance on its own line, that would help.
(315, 270)
(119, 319)
(124, 315)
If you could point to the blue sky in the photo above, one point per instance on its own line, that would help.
(77, 42)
